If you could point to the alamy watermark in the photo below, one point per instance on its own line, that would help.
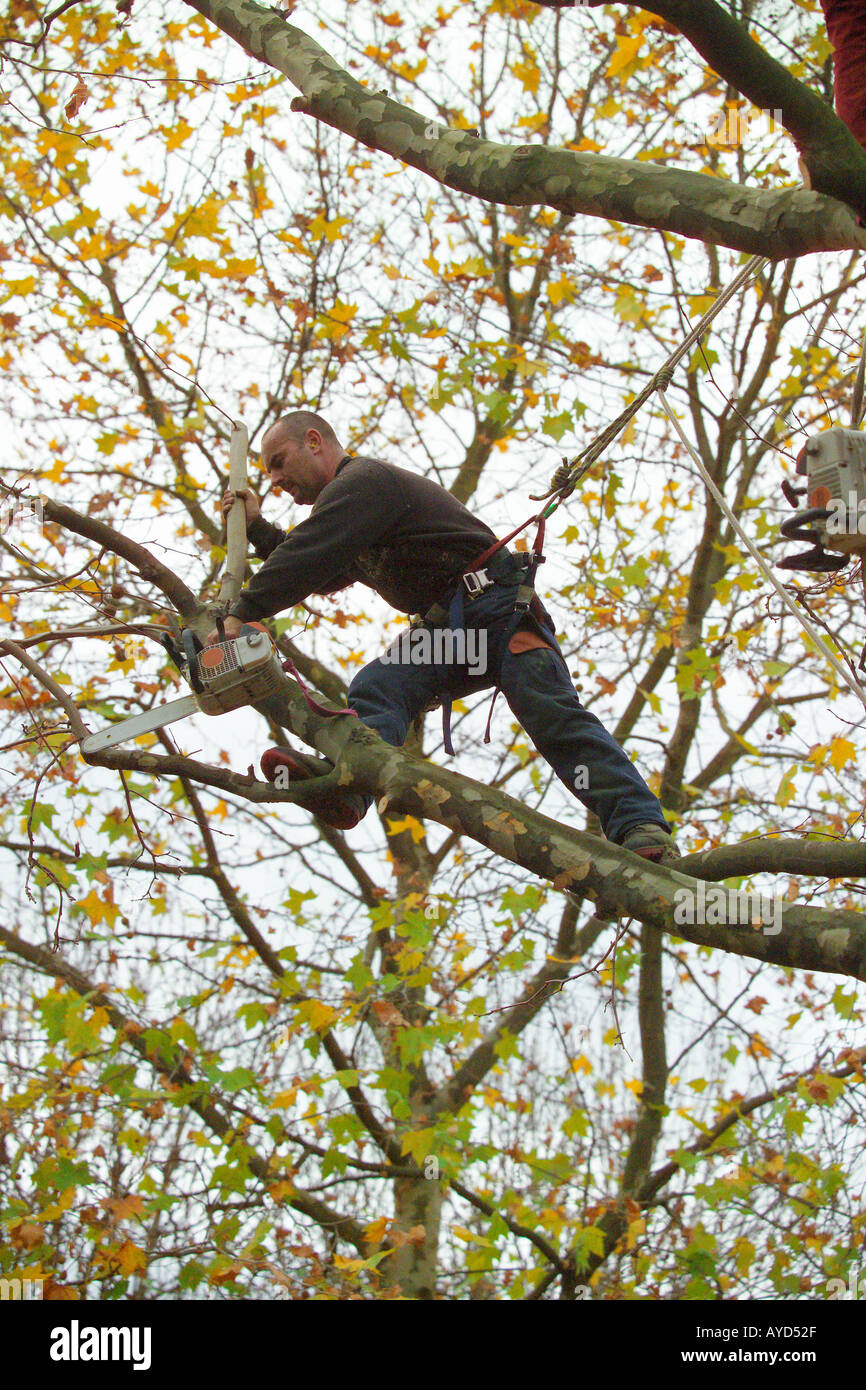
(714, 906)
(847, 515)
(440, 646)
(21, 1290)
(839, 1291)
(77, 1343)
(20, 515)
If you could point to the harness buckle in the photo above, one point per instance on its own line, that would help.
(476, 581)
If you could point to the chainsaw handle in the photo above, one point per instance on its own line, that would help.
(192, 645)
(173, 652)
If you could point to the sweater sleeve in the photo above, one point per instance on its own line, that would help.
(353, 512)
(264, 536)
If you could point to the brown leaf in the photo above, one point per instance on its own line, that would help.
(122, 1207)
(80, 93)
(28, 1234)
(60, 1293)
(387, 1014)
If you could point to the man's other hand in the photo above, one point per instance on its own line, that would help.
(251, 503)
(232, 629)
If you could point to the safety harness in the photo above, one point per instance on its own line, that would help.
(475, 581)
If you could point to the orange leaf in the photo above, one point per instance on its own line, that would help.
(80, 93)
(130, 1257)
(387, 1014)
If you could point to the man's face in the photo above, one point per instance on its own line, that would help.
(294, 465)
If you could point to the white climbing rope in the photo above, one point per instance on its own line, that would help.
(570, 473)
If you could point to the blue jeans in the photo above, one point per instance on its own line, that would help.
(389, 693)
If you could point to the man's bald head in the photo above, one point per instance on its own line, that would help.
(300, 454)
(298, 423)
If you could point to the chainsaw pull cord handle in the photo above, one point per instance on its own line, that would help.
(799, 526)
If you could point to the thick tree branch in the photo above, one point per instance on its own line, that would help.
(136, 555)
(834, 158)
(651, 1017)
(775, 223)
(818, 858)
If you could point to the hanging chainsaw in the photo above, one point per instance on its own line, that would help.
(834, 523)
(227, 675)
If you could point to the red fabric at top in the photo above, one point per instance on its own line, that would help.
(846, 26)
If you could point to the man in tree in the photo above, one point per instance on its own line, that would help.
(416, 546)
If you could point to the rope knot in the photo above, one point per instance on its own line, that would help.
(562, 476)
(664, 378)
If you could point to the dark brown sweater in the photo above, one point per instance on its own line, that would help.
(374, 523)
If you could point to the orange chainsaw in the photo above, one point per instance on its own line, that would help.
(223, 677)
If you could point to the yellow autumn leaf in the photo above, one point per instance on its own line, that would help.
(375, 1232)
(700, 303)
(462, 1234)
(529, 75)
(396, 827)
(319, 227)
(336, 320)
(318, 1015)
(626, 51)
(97, 909)
(418, 1143)
(787, 790)
(636, 1228)
(131, 1257)
(561, 289)
(178, 133)
(841, 752)
(21, 287)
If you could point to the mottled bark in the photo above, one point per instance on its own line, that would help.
(834, 158)
(777, 223)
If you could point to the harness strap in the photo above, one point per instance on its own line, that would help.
(289, 665)
(524, 601)
(491, 550)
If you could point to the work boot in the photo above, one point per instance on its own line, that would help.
(342, 810)
(651, 842)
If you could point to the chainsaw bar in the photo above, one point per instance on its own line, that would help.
(223, 677)
(140, 724)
